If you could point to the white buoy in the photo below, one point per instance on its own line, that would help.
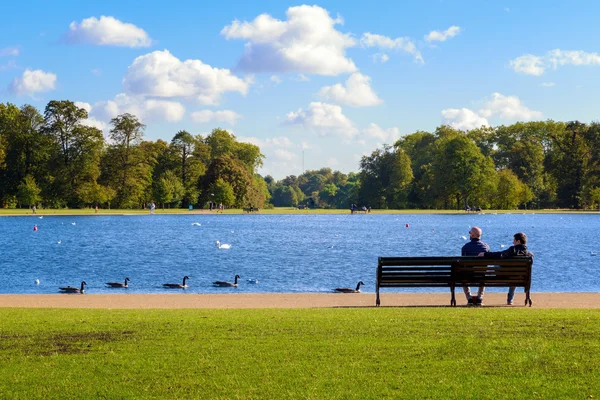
(37, 281)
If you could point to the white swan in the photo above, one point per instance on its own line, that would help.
(224, 246)
(59, 242)
(73, 223)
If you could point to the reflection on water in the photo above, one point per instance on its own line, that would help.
(284, 253)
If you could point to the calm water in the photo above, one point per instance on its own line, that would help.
(285, 253)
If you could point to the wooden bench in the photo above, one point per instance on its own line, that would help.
(452, 272)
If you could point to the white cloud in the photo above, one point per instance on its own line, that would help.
(227, 116)
(307, 42)
(145, 109)
(389, 136)
(284, 155)
(106, 31)
(530, 64)
(509, 108)
(11, 64)
(385, 43)
(326, 119)
(32, 82)
(9, 51)
(86, 106)
(268, 143)
(160, 74)
(91, 121)
(559, 57)
(547, 84)
(357, 93)
(276, 79)
(463, 119)
(380, 57)
(443, 36)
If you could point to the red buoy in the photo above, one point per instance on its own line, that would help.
(406, 225)
(35, 227)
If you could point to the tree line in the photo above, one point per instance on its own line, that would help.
(531, 165)
(55, 160)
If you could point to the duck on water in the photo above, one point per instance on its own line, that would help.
(177, 285)
(71, 289)
(227, 284)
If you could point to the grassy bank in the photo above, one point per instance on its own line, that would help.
(317, 353)
(277, 210)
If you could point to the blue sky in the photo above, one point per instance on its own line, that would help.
(333, 80)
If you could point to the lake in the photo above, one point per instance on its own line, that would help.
(285, 253)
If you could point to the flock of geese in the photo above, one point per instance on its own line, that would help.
(125, 285)
(183, 285)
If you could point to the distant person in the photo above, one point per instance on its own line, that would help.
(34, 210)
(474, 248)
(518, 249)
(152, 207)
(221, 207)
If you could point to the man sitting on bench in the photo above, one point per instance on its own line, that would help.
(519, 248)
(474, 248)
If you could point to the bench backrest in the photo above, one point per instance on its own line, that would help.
(450, 271)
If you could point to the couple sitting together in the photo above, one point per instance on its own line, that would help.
(478, 248)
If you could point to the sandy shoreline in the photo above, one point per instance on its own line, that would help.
(286, 300)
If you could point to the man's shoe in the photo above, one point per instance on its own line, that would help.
(478, 301)
(470, 301)
(509, 303)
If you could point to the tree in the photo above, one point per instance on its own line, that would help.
(385, 176)
(222, 192)
(284, 196)
(511, 192)
(461, 171)
(126, 133)
(77, 159)
(189, 165)
(29, 192)
(168, 189)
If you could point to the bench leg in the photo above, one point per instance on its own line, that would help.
(453, 299)
(377, 301)
(528, 299)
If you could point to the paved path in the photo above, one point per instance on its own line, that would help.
(312, 300)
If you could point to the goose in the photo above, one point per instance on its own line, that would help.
(227, 284)
(118, 284)
(223, 246)
(70, 289)
(177, 285)
(349, 290)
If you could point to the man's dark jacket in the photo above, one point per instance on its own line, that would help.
(474, 247)
(519, 250)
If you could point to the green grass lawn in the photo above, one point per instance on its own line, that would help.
(277, 210)
(300, 354)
